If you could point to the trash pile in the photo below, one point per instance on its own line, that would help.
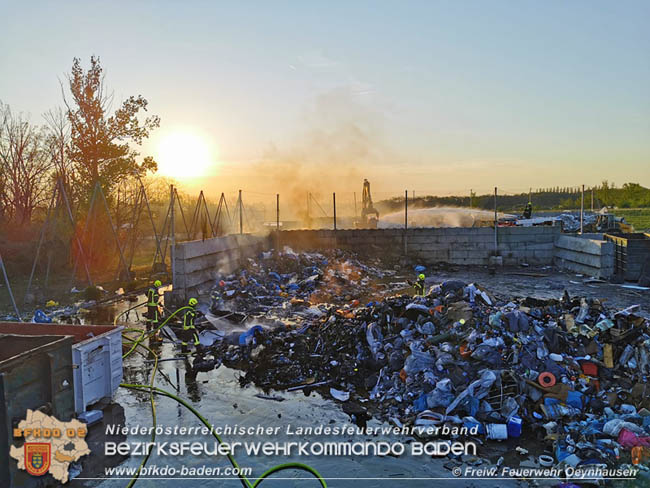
(568, 373)
(571, 221)
(290, 286)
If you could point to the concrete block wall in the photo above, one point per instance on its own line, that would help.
(454, 245)
(533, 245)
(197, 263)
(591, 257)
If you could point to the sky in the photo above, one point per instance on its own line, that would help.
(437, 97)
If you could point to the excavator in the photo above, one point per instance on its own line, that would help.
(369, 214)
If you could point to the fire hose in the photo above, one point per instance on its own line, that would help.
(153, 390)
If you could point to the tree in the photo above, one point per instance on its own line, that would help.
(57, 141)
(25, 167)
(99, 145)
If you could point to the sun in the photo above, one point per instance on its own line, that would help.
(184, 155)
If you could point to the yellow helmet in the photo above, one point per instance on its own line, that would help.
(421, 276)
(157, 283)
(193, 301)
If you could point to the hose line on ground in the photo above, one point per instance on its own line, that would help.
(153, 416)
(153, 390)
(245, 482)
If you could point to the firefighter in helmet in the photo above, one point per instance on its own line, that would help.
(153, 297)
(189, 330)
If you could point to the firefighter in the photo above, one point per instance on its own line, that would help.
(419, 285)
(189, 330)
(152, 305)
(528, 211)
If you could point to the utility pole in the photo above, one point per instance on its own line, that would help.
(582, 207)
(334, 202)
(530, 194)
(592, 199)
(241, 215)
(173, 235)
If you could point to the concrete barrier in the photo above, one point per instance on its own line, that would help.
(197, 263)
(591, 257)
(454, 245)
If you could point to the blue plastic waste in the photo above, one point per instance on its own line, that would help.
(41, 318)
(474, 426)
(514, 426)
(91, 417)
(561, 452)
(575, 399)
(249, 336)
(420, 403)
(275, 276)
(420, 269)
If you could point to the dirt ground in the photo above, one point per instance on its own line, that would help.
(545, 282)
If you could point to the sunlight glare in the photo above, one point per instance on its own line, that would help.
(184, 156)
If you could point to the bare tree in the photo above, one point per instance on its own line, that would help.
(58, 144)
(25, 166)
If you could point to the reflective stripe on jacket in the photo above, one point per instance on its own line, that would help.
(188, 319)
(152, 296)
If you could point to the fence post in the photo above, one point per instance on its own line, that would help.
(11, 295)
(406, 216)
(172, 231)
(241, 215)
(496, 223)
(277, 222)
(582, 207)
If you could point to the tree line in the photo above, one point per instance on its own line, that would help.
(607, 194)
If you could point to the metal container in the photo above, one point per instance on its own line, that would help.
(630, 253)
(35, 372)
(96, 357)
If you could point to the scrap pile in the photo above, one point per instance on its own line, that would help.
(569, 372)
(287, 283)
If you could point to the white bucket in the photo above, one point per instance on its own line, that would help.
(497, 432)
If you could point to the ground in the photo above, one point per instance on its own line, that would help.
(544, 282)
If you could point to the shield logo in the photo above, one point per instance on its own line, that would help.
(37, 458)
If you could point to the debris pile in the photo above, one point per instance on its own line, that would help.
(569, 372)
(289, 284)
(571, 221)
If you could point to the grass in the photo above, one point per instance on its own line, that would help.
(638, 217)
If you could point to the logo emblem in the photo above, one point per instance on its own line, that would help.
(37, 458)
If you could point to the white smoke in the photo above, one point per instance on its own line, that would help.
(439, 217)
